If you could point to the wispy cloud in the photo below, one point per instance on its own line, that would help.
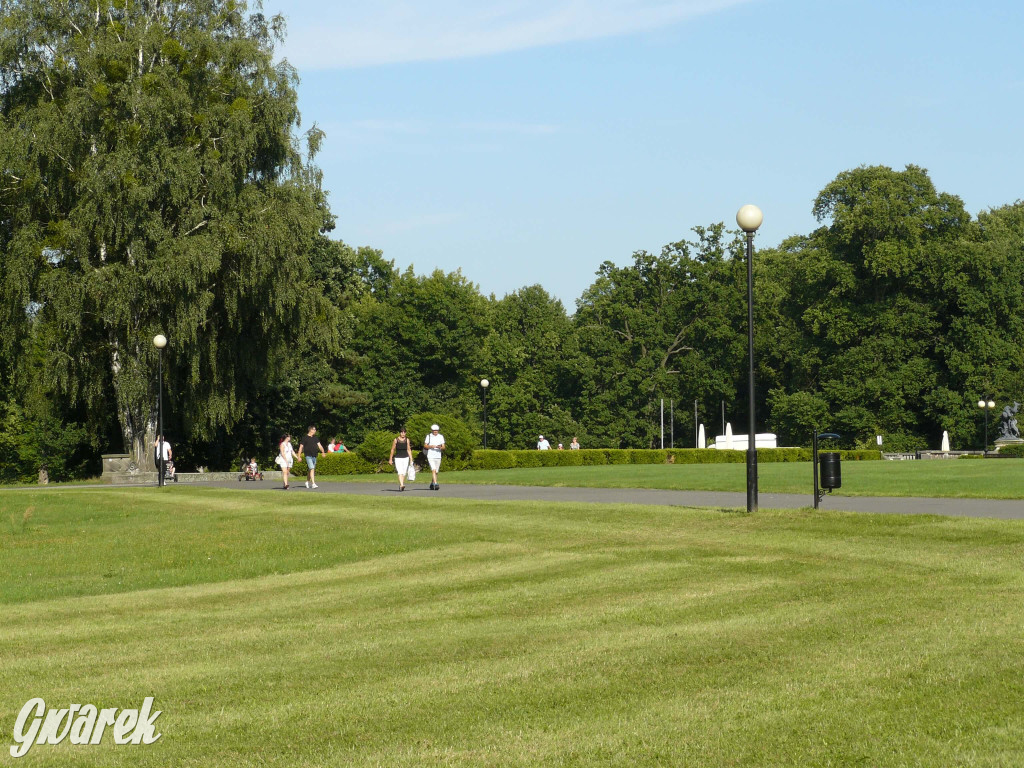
(345, 35)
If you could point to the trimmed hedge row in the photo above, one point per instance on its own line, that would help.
(347, 463)
(354, 464)
(603, 456)
(1016, 450)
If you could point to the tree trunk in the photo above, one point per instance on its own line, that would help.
(140, 443)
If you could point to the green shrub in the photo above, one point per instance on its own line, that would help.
(647, 456)
(1013, 450)
(528, 458)
(706, 456)
(344, 464)
(459, 439)
(859, 455)
(376, 446)
(558, 458)
(490, 459)
(592, 456)
(599, 456)
(616, 456)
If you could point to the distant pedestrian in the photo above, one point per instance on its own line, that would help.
(401, 455)
(542, 444)
(163, 449)
(574, 445)
(433, 444)
(561, 447)
(311, 447)
(285, 457)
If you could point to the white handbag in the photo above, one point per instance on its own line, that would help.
(411, 473)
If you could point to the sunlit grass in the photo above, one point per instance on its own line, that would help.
(977, 479)
(335, 630)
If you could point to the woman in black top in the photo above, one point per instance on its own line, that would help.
(401, 454)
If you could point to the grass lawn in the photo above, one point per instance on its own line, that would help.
(313, 630)
(977, 479)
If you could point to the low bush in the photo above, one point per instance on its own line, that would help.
(1013, 450)
(459, 439)
(488, 459)
(707, 456)
(592, 456)
(376, 446)
(344, 464)
(647, 456)
(373, 454)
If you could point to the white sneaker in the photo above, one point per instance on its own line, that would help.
(307, 483)
(315, 485)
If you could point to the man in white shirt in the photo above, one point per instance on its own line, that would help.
(542, 444)
(433, 444)
(163, 450)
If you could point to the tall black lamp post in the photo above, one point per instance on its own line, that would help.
(986, 406)
(484, 384)
(160, 341)
(749, 217)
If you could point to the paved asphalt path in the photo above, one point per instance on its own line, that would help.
(996, 508)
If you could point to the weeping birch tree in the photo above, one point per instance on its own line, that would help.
(154, 181)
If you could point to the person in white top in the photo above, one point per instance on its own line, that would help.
(163, 448)
(433, 444)
(542, 444)
(285, 457)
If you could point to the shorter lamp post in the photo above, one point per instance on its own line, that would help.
(986, 406)
(160, 341)
(484, 384)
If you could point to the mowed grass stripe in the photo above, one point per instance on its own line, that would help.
(960, 478)
(512, 634)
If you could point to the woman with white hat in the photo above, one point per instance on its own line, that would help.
(433, 444)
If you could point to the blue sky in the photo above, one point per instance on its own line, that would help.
(527, 142)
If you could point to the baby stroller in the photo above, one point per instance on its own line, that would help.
(169, 471)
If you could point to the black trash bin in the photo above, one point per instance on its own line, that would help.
(829, 472)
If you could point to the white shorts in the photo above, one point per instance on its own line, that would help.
(401, 465)
(434, 462)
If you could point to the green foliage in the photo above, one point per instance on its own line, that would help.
(459, 438)
(797, 416)
(491, 459)
(532, 359)
(152, 183)
(376, 446)
(417, 346)
(1016, 451)
(667, 326)
(345, 464)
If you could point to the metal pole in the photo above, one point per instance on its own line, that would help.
(751, 430)
(160, 418)
(485, 417)
(723, 417)
(671, 424)
(663, 423)
(814, 465)
(696, 425)
(984, 450)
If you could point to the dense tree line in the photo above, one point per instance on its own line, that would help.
(154, 180)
